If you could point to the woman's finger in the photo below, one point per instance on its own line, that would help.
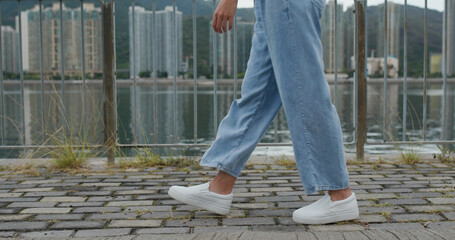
(224, 24)
(214, 21)
(219, 23)
(231, 20)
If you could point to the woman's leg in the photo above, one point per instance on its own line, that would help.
(248, 117)
(293, 32)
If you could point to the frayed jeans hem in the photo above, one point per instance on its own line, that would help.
(220, 167)
(310, 190)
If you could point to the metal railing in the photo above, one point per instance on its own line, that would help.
(109, 82)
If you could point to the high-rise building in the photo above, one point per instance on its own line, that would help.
(10, 50)
(144, 41)
(435, 62)
(52, 41)
(225, 47)
(450, 11)
(329, 22)
(393, 30)
(348, 46)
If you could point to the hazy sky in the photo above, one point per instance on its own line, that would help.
(433, 4)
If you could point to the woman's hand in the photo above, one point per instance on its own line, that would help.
(224, 13)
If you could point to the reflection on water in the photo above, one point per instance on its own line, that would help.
(205, 111)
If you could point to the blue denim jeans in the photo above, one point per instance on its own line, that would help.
(285, 68)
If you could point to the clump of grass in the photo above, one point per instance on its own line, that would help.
(410, 157)
(381, 204)
(67, 156)
(284, 161)
(26, 169)
(354, 161)
(387, 215)
(446, 155)
(146, 157)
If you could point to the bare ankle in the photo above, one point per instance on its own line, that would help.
(339, 194)
(222, 183)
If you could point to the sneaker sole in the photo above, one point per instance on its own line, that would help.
(198, 202)
(344, 216)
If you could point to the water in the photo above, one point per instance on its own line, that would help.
(205, 114)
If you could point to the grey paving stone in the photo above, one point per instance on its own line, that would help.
(404, 201)
(148, 208)
(395, 226)
(135, 223)
(336, 227)
(97, 209)
(46, 210)
(40, 181)
(372, 218)
(48, 234)
(292, 205)
(449, 215)
(415, 217)
(48, 189)
(286, 221)
(391, 190)
(78, 224)
(10, 194)
(270, 212)
(9, 210)
(220, 229)
(23, 225)
(20, 199)
(429, 208)
(130, 203)
(81, 204)
(450, 200)
(7, 234)
(252, 194)
(90, 193)
(248, 221)
(277, 199)
(252, 205)
(272, 189)
(443, 225)
(168, 214)
(109, 198)
(152, 197)
(279, 228)
(268, 235)
(136, 192)
(14, 217)
(71, 216)
(44, 194)
(191, 222)
(31, 204)
(165, 230)
(394, 209)
(168, 202)
(207, 214)
(366, 196)
(109, 216)
(63, 199)
(103, 232)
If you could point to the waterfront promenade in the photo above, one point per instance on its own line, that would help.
(396, 201)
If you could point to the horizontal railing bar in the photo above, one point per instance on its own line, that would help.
(208, 145)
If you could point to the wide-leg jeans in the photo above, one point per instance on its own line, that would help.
(286, 69)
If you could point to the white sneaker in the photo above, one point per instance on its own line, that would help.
(200, 196)
(326, 211)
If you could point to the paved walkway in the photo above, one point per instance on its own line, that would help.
(396, 202)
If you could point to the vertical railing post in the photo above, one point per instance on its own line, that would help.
(109, 104)
(1, 81)
(362, 85)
